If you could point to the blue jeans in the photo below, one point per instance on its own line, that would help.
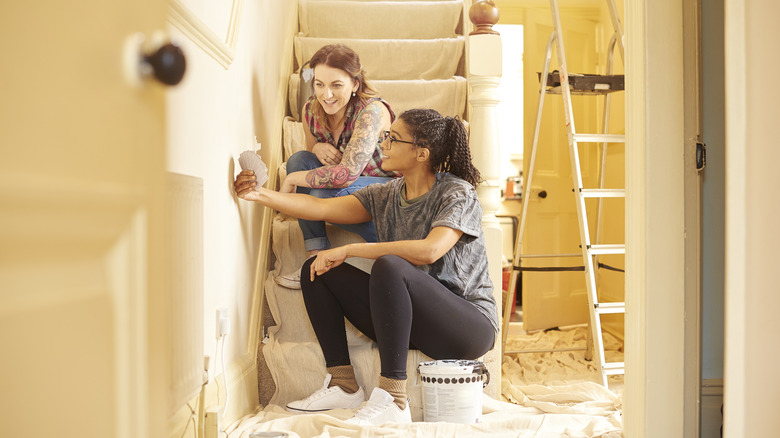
(314, 235)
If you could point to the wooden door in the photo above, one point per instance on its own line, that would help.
(82, 269)
(553, 299)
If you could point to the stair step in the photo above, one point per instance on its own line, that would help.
(607, 249)
(602, 308)
(447, 96)
(380, 19)
(293, 138)
(386, 59)
(600, 138)
(603, 193)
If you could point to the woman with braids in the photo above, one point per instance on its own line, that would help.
(429, 287)
(343, 119)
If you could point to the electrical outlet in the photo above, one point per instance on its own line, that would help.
(223, 322)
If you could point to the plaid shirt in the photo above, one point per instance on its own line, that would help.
(321, 133)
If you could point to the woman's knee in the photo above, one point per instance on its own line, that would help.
(301, 160)
(389, 270)
(387, 264)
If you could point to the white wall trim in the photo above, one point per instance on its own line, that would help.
(711, 416)
(634, 402)
(203, 36)
(655, 234)
(712, 387)
(692, 109)
(243, 388)
(737, 272)
(235, 18)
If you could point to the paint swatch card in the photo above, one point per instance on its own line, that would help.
(249, 160)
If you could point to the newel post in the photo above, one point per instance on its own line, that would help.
(484, 76)
(484, 64)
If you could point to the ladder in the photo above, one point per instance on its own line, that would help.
(566, 84)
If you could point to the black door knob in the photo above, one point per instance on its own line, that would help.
(167, 64)
(543, 194)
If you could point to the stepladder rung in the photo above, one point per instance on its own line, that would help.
(599, 138)
(602, 308)
(603, 193)
(607, 249)
(613, 368)
(539, 256)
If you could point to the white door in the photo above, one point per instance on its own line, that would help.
(552, 299)
(82, 268)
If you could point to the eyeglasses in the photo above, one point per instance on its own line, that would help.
(386, 135)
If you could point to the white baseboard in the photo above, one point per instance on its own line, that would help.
(711, 403)
(242, 384)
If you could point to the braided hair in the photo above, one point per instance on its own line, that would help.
(446, 138)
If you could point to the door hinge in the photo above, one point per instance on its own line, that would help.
(701, 155)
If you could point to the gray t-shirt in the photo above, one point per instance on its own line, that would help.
(453, 203)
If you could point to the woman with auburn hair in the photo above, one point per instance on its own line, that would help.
(429, 288)
(343, 119)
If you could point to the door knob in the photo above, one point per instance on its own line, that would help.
(159, 59)
(167, 64)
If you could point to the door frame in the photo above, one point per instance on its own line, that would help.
(659, 370)
(660, 290)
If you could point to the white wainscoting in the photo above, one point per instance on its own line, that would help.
(185, 233)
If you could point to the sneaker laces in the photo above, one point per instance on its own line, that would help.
(369, 410)
(318, 394)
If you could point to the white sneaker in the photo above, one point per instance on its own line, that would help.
(328, 398)
(290, 281)
(381, 409)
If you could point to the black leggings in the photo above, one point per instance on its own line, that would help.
(399, 307)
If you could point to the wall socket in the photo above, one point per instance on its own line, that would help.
(223, 322)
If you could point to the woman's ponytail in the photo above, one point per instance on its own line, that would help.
(447, 140)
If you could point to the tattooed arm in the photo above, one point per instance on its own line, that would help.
(370, 122)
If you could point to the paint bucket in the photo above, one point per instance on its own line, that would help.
(452, 390)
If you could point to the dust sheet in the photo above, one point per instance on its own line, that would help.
(544, 394)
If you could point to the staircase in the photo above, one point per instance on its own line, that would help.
(415, 55)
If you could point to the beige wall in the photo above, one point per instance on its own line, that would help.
(213, 115)
(751, 380)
